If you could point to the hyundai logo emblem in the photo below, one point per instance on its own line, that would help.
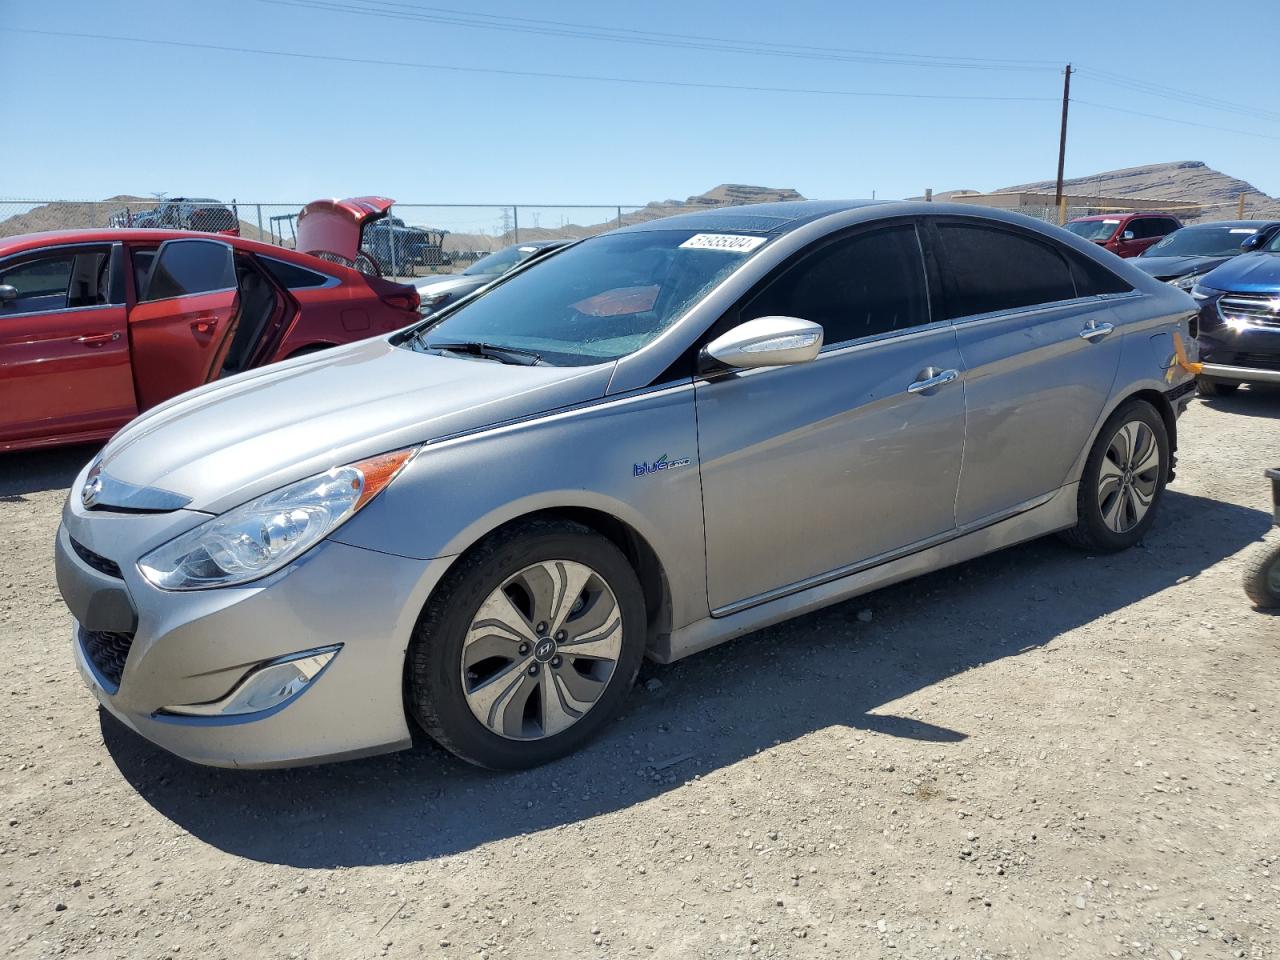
(545, 650)
(89, 493)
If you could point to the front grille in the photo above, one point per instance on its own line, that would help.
(1258, 361)
(96, 560)
(107, 652)
(1258, 308)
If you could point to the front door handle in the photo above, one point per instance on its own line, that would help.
(97, 339)
(930, 380)
(1096, 331)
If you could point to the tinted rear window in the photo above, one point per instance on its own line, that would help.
(292, 276)
(986, 269)
(185, 267)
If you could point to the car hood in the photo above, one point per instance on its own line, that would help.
(1247, 273)
(238, 438)
(1168, 268)
(444, 284)
(336, 226)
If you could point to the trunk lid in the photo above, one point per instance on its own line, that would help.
(335, 227)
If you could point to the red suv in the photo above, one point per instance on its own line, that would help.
(99, 325)
(1125, 234)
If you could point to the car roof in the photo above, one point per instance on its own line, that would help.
(1255, 224)
(1125, 216)
(769, 219)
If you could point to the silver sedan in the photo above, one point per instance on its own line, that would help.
(649, 443)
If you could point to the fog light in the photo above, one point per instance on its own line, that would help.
(270, 684)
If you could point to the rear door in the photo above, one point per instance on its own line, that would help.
(64, 353)
(811, 471)
(1040, 355)
(186, 314)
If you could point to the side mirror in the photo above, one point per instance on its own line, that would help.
(8, 293)
(767, 342)
(1254, 242)
(1127, 235)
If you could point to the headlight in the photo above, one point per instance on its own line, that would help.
(261, 536)
(1187, 282)
(1201, 292)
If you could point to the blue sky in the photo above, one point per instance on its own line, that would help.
(88, 118)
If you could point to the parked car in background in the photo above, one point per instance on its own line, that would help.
(1185, 255)
(182, 213)
(1124, 234)
(397, 248)
(438, 292)
(99, 325)
(654, 441)
(1239, 323)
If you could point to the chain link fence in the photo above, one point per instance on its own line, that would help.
(416, 239)
(413, 240)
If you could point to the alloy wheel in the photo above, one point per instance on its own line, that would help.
(1129, 476)
(541, 650)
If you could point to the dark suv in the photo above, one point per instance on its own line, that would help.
(1239, 333)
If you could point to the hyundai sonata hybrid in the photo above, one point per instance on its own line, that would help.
(656, 440)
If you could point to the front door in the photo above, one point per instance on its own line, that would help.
(1040, 353)
(812, 470)
(64, 353)
(186, 314)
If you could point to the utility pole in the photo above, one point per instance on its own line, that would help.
(1062, 138)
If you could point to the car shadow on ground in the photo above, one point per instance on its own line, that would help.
(830, 669)
(1254, 400)
(35, 471)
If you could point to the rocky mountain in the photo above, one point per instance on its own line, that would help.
(1191, 180)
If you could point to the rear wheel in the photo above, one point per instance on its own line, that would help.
(1215, 388)
(1123, 480)
(1262, 575)
(528, 647)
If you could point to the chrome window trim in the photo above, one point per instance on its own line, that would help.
(184, 296)
(5, 315)
(976, 318)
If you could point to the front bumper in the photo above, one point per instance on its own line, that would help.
(1234, 374)
(167, 648)
(1248, 353)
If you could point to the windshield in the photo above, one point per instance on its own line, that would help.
(600, 299)
(1202, 242)
(496, 264)
(1094, 229)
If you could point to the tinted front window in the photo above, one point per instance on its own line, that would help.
(987, 269)
(865, 285)
(1201, 242)
(186, 267)
(1094, 229)
(68, 279)
(45, 277)
(599, 300)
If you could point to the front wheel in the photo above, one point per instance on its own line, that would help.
(528, 647)
(1215, 388)
(1262, 575)
(1123, 480)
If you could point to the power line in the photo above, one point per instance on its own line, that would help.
(1181, 96)
(1185, 123)
(536, 74)
(389, 9)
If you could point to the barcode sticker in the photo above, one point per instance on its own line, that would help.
(728, 242)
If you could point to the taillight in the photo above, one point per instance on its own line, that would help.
(406, 299)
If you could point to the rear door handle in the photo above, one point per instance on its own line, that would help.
(97, 339)
(205, 325)
(935, 380)
(1096, 331)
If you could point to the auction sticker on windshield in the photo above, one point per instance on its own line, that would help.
(728, 242)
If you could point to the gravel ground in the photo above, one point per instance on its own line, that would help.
(1036, 754)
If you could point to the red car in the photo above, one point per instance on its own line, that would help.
(1125, 234)
(98, 325)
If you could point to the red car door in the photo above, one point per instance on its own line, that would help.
(64, 353)
(181, 326)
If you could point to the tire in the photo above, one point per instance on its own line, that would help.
(1262, 575)
(1215, 388)
(1117, 515)
(481, 649)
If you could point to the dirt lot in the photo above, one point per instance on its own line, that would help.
(1037, 754)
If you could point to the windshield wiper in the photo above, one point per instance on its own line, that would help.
(490, 351)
